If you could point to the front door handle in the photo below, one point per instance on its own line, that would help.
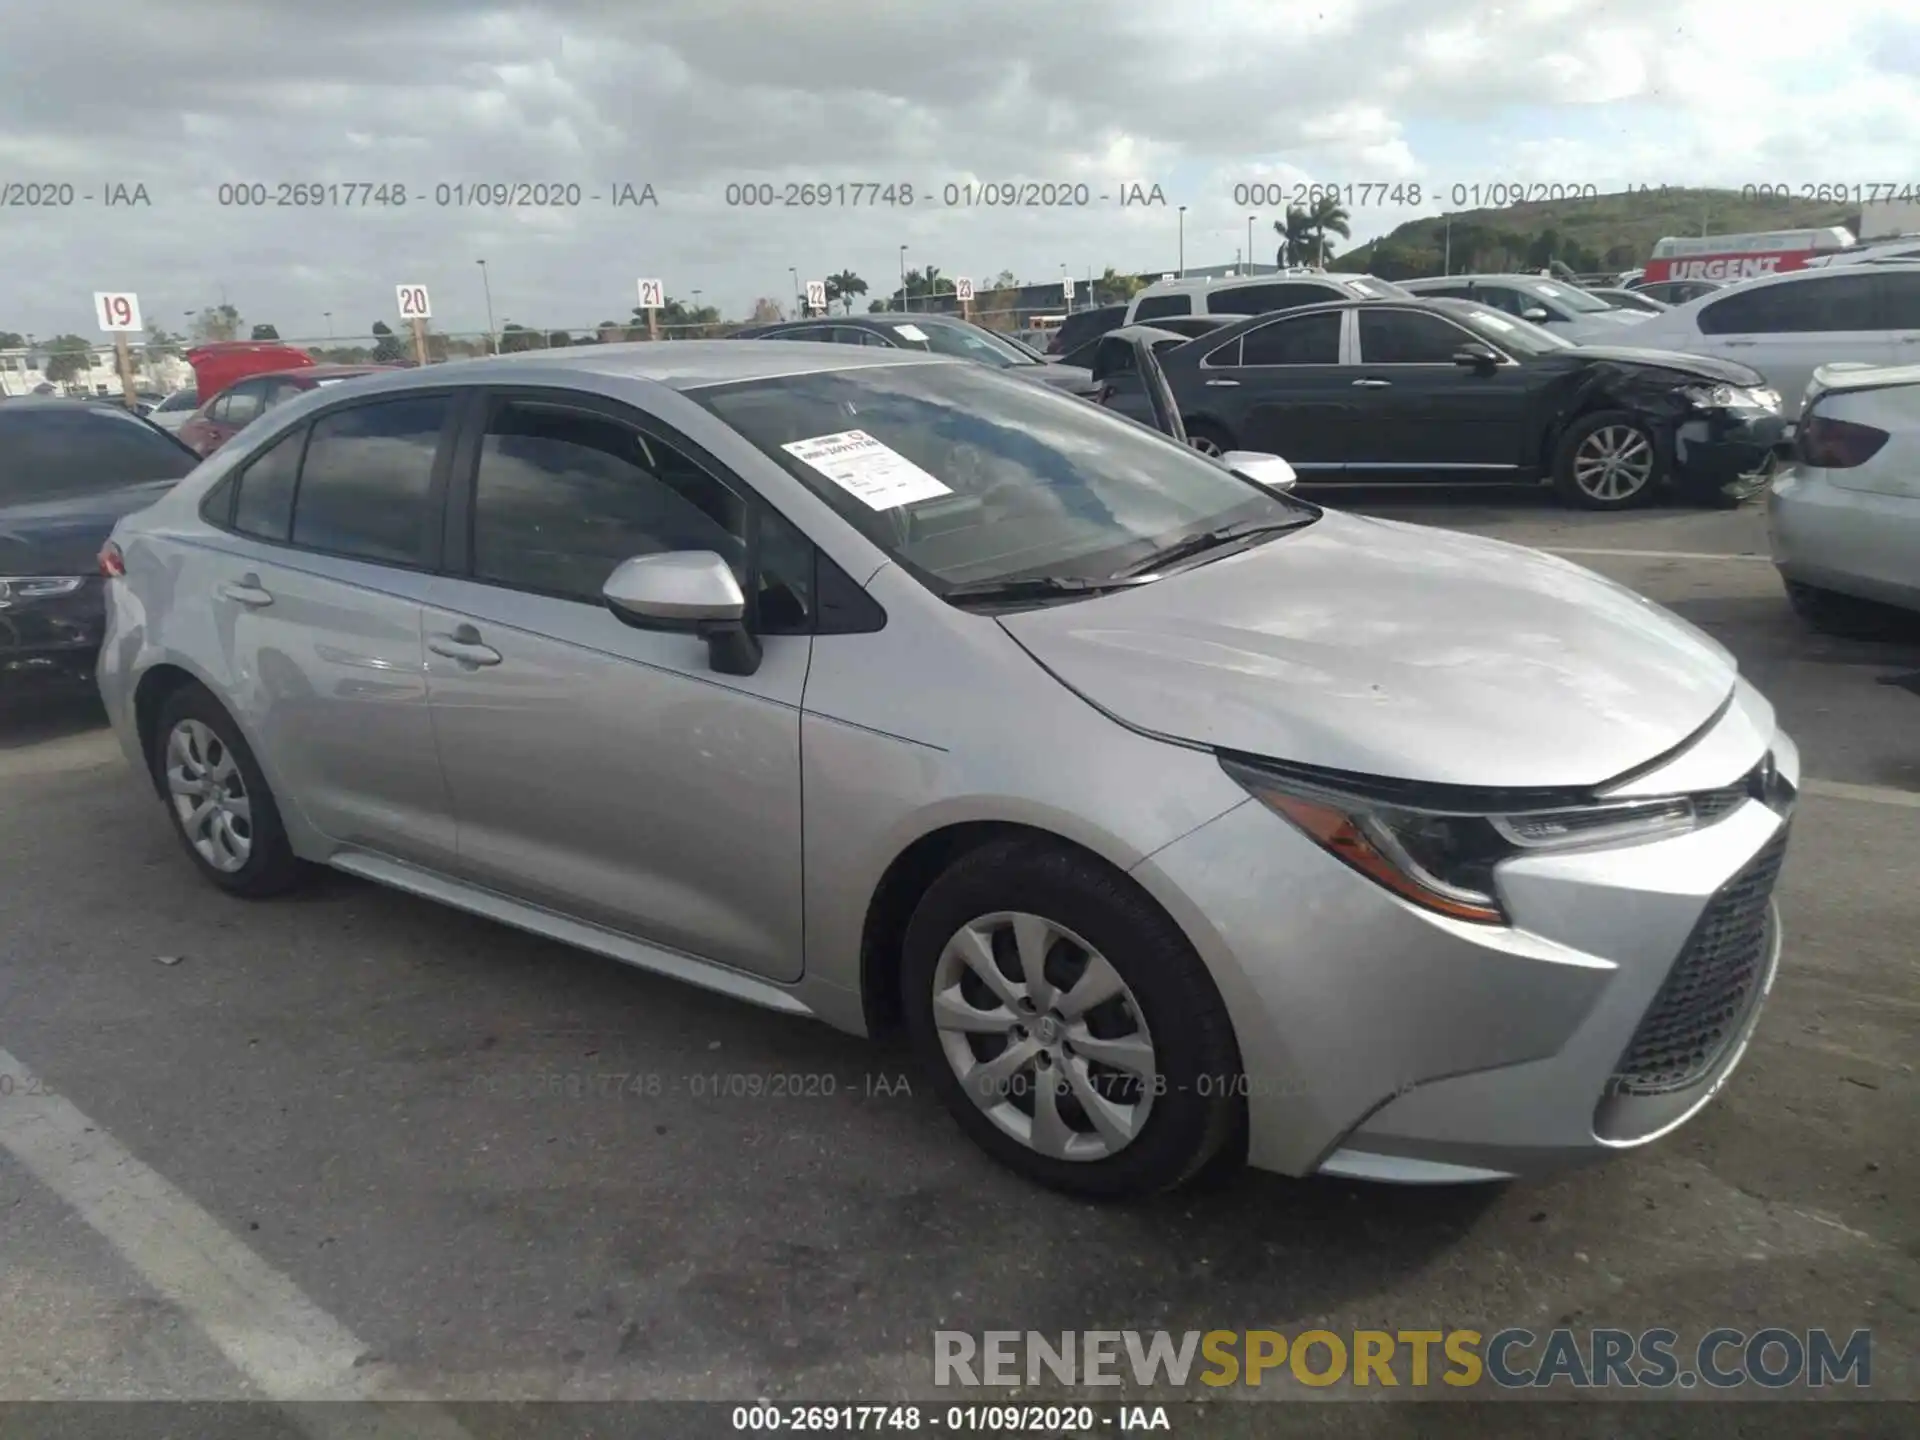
(247, 590)
(1225, 384)
(1372, 384)
(464, 645)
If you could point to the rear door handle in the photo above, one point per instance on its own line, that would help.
(1372, 384)
(464, 645)
(1224, 383)
(1738, 344)
(247, 590)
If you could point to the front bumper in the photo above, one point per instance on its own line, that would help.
(56, 637)
(1381, 1041)
(1732, 453)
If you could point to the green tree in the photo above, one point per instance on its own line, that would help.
(216, 322)
(12, 340)
(1005, 280)
(68, 356)
(1113, 288)
(386, 345)
(161, 344)
(1327, 217)
(264, 332)
(1294, 245)
(516, 338)
(844, 287)
(610, 332)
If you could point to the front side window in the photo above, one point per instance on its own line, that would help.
(366, 483)
(564, 496)
(965, 476)
(1306, 340)
(1408, 337)
(54, 453)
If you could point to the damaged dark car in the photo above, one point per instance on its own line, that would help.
(1440, 391)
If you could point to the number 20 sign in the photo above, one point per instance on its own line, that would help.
(116, 312)
(412, 300)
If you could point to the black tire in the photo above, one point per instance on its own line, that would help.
(1202, 433)
(1847, 617)
(1577, 434)
(1195, 1112)
(271, 867)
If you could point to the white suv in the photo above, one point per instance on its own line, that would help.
(1787, 326)
(1254, 294)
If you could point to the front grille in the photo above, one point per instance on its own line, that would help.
(1710, 987)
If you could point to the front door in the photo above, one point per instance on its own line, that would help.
(598, 770)
(1417, 410)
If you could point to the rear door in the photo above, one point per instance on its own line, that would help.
(1898, 308)
(316, 596)
(1789, 328)
(1280, 388)
(1415, 409)
(601, 771)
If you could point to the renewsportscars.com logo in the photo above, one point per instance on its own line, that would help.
(1721, 1359)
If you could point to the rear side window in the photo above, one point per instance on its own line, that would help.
(366, 482)
(265, 505)
(1899, 300)
(57, 451)
(1797, 307)
(1259, 299)
(1308, 340)
(1153, 305)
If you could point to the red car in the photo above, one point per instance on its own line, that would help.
(273, 374)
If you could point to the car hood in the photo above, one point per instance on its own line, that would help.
(1074, 379)
(1706, 367)
(63, 537)
(1394, 650)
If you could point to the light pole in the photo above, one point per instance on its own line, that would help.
(1250, 244)
(1446, 265)
(329, 315)
(493, 347)
(799, 299)
(1183, 241)
(903, 277)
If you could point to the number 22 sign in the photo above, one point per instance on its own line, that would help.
(412, 300)
(116, 312)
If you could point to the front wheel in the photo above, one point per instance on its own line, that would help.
(1067, 1024)
(1609, 460)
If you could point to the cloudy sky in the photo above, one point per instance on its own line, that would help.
(1196, 98)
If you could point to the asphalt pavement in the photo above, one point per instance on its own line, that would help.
(354, 1138)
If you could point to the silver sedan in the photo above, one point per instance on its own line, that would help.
(1177, 820)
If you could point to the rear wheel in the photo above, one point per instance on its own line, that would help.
(1067, 1024)
(1609, 460)
(218, 799)
(1209, 439)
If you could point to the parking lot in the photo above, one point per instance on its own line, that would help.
(327, 1135)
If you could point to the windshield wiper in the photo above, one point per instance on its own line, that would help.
(1208, 540)
(1040, 587)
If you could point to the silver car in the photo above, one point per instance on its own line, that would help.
(1177, 820)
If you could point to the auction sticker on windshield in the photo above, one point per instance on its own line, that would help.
(864, 468)
(911, 332)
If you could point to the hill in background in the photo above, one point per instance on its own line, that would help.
(1605, 232)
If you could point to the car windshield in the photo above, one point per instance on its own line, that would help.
(964, 341)
(965, 477)
(58, 453)
(1567, 298)
(1506, 331)
(179, 400)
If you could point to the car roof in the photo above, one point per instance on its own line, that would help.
(66, 403)
(676, 364)
(1506, 279)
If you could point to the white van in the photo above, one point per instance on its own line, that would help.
(1255, 294)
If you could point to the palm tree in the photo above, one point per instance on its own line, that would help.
(1295, 243)
(1326, 218)
(844, 287)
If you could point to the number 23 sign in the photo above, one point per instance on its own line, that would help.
(116, 312)
(412, 300)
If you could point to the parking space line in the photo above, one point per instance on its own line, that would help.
(1872, 794)
(282, 1342)
(1653, 554)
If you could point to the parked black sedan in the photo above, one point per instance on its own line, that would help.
(1450, 390)
(68, 471)
(941, 334)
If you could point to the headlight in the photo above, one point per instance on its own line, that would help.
(1732, 397)
(1444, 860)
(37, 587)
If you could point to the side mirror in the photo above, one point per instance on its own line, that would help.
(688, 592)
(1535, 314)
(1269, 472)
(1475, 357)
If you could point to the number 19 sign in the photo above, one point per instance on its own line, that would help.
(412, 300)
(117, 312)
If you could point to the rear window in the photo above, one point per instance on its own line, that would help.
(1259, 299)
(55, 452)
(1156, 305)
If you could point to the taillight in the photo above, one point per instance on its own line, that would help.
(112, 563)
(1836, 444)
